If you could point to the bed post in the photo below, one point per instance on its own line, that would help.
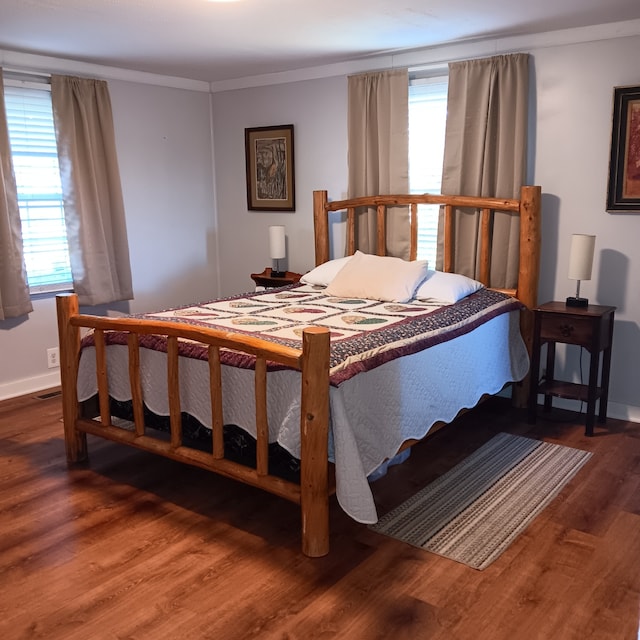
(314, 433)
(321, 226)
(529, 272)
(69, 339)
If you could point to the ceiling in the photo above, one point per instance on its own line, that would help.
(215, 41)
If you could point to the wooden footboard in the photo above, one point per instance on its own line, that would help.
(316, 482)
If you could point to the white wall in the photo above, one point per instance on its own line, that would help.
(165, 156)
(164, 148)
(317, 110)
(571, 129)
(574, 86)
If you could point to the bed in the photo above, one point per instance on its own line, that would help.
(336, 382)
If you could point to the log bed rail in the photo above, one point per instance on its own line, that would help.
(317, 481)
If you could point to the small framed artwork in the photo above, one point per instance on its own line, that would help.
(270, 176)
(623, 193)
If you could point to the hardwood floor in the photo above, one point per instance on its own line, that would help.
(134, 546)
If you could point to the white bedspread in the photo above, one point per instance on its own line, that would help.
(371, 414)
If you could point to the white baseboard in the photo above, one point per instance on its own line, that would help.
(29, 385)
(38, 383)
(615, 410)
(623, 412)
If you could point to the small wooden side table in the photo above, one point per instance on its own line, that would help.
(590, 327)
(265, 279)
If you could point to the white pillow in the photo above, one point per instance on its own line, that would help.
(448, 287)
(378, 278)
(324, 273)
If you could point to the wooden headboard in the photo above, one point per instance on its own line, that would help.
(528, 208)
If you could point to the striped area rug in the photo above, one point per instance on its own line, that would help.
(473, 512)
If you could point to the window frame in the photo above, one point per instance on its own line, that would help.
(40, 83)
(428, 228)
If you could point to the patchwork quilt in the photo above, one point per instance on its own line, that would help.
(364, 333)
(475, 347)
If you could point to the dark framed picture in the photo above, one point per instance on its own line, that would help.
(270, 176)
(623, 193)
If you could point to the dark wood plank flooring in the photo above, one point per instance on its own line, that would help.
(137, 547)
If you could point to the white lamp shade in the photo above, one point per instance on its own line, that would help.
(581, 256)
(277, 242)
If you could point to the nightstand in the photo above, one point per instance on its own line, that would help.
(265, 279)
(590, 327)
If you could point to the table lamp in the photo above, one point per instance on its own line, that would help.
(580, 264)
(277, 249)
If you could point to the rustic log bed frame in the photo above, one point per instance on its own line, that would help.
(317, 477)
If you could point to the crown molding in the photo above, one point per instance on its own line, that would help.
(26, 62)
(416, 59)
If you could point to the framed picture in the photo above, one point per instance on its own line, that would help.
(270, 178)
(623, 194)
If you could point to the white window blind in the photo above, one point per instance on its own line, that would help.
(35, 162)
(427, 121)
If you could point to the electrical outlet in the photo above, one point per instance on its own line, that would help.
(53, 357)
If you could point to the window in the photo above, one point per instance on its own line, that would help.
(427, 121)
(35, 162)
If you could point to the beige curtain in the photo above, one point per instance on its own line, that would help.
(14, 290)
(485, 155)
(378, 138)
(93, 204)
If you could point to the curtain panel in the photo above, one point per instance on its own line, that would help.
(14, 289)
(485, 155)
(93, 203)
(378, 142)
